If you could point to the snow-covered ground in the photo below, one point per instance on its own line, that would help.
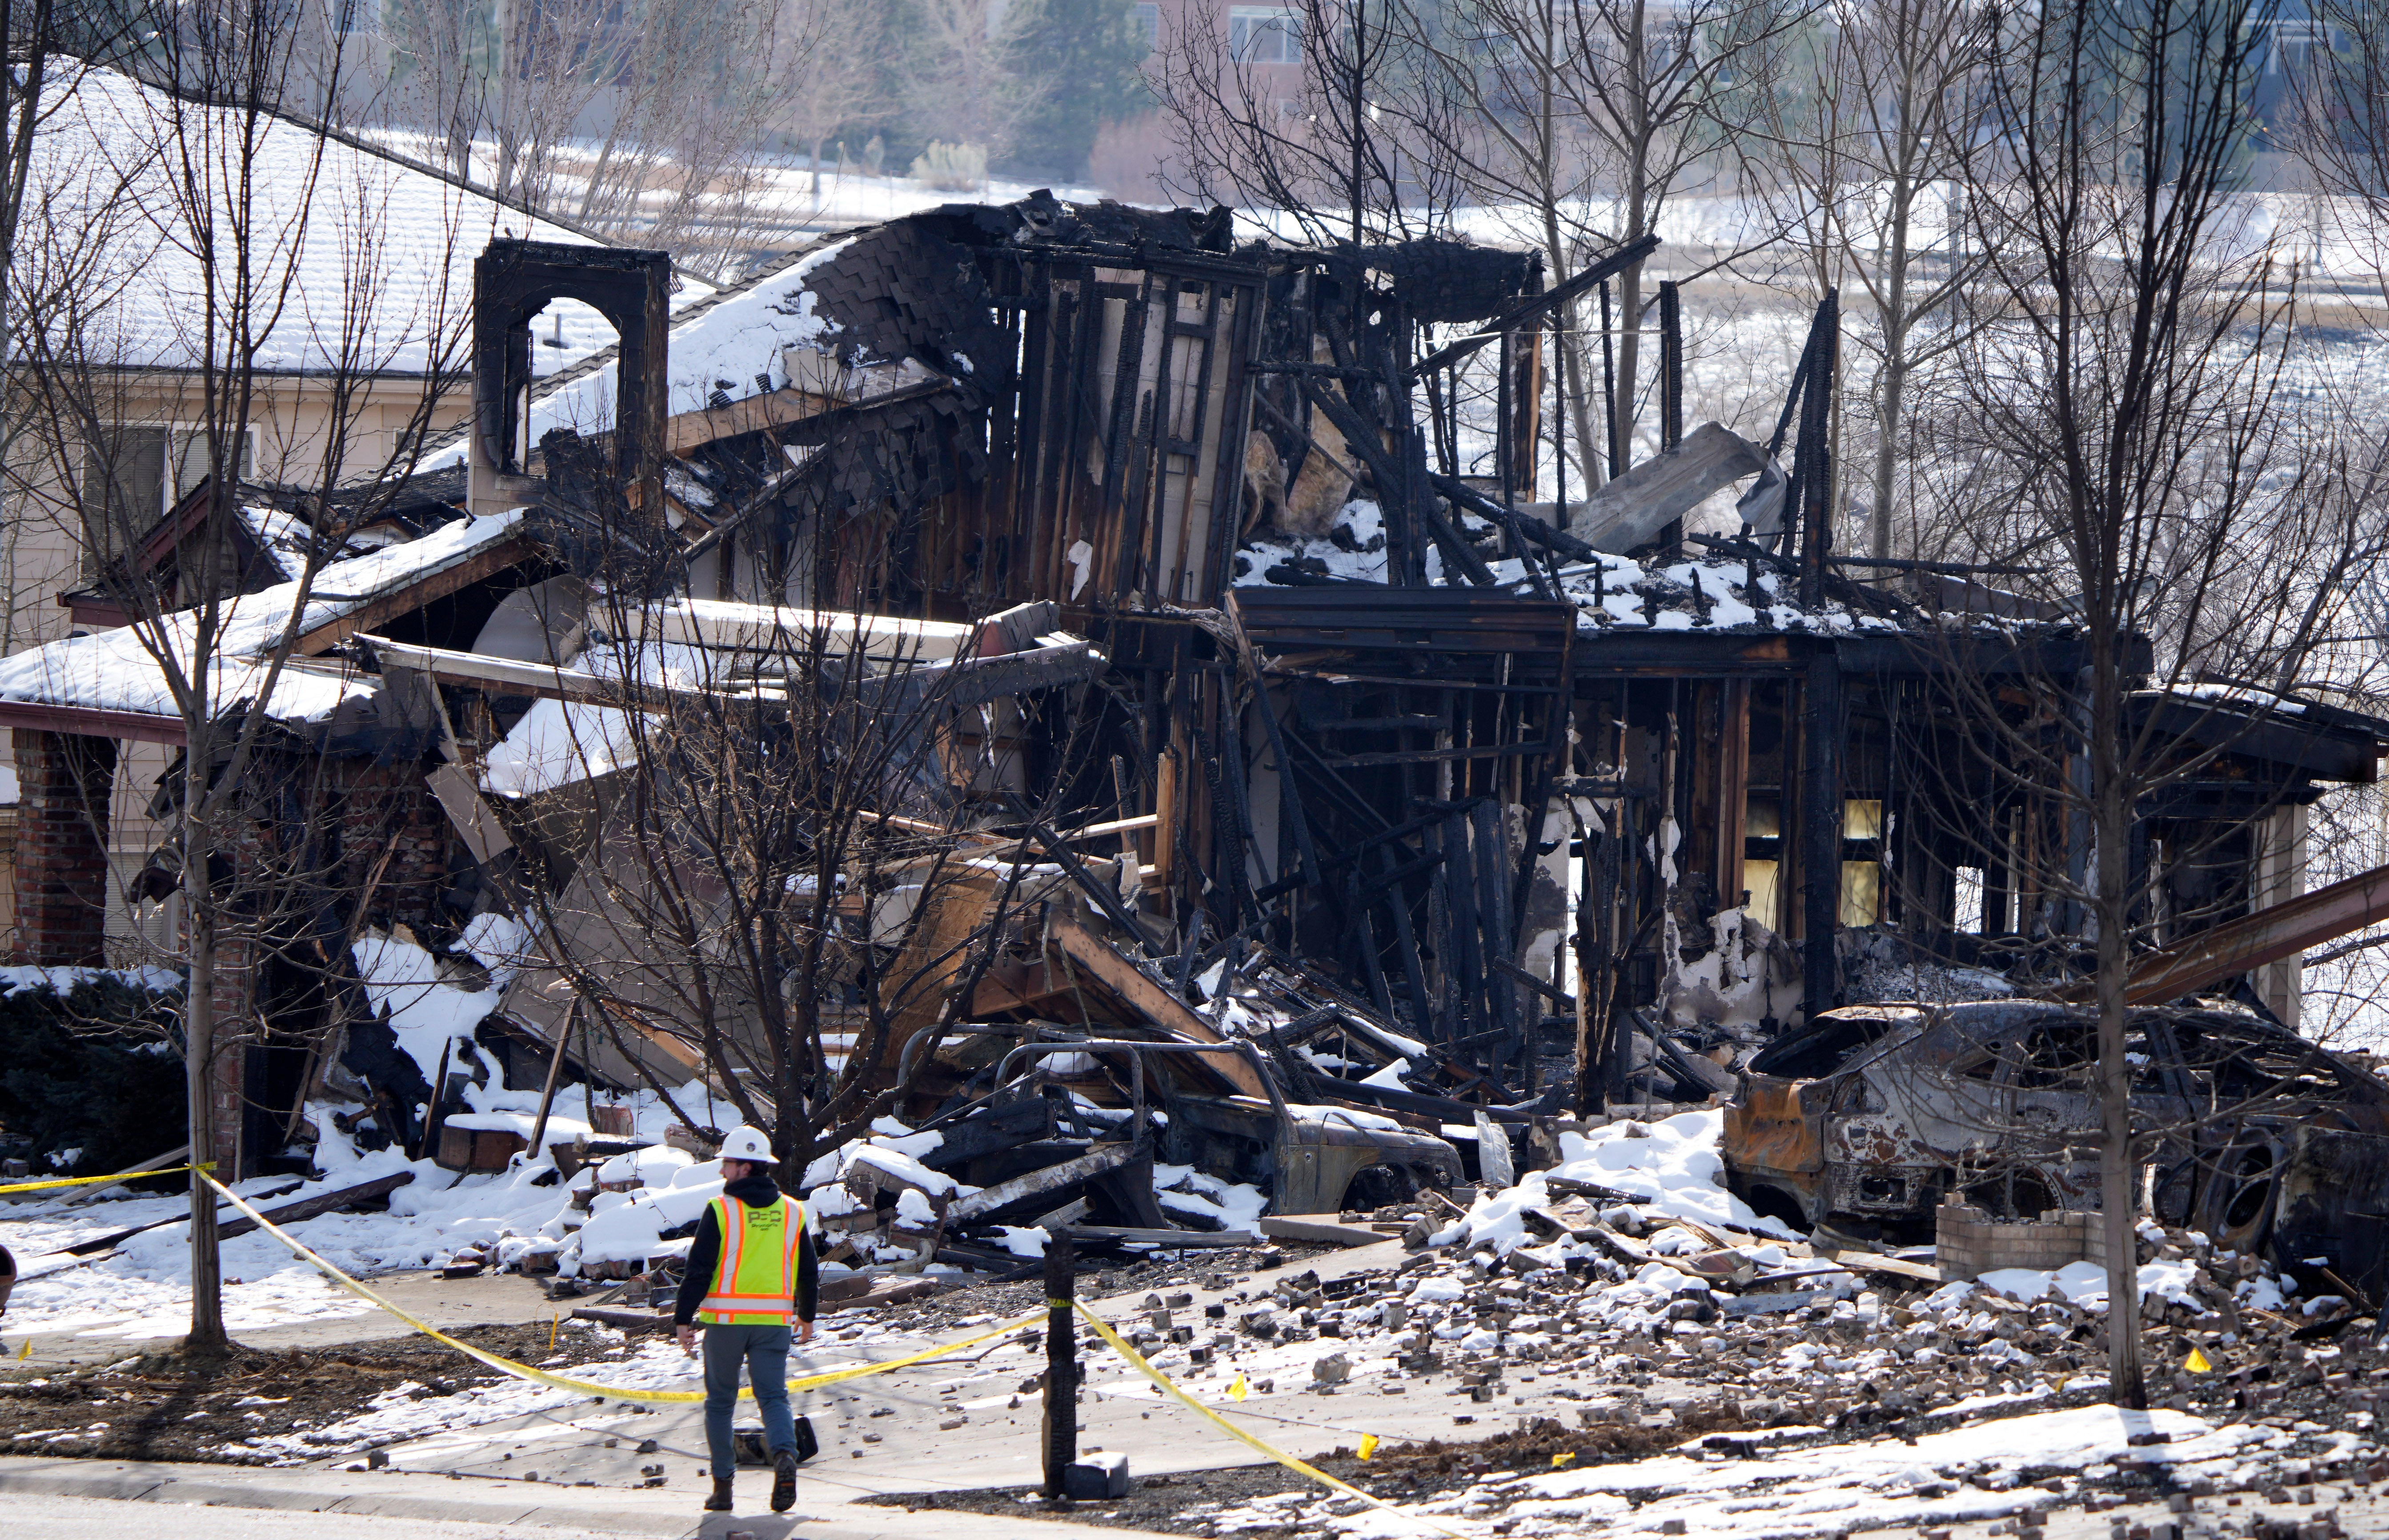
(1971, 1473)
(142, 1291)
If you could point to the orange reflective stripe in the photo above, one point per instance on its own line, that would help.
(748, 1289)
(730, 1216)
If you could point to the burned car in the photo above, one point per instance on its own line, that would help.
(1865, 1121)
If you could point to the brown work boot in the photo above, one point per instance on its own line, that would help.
(783, 1482)
(720, 1501)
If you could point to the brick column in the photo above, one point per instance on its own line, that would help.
(62, 876)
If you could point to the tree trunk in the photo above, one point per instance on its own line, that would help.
(1886, 463)
(198, 1058)
(1889, 396)
(1575, 374)
(2118, 1165)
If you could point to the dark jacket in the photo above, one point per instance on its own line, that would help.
(705, 1255)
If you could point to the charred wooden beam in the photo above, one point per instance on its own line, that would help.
(1821, 831)
(1533, 306)
(1098, 1159)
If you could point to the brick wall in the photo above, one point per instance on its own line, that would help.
(351, 806)
(62, 876)
(1968, 1242)
(382, 802)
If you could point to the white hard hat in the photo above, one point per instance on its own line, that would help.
(748, 1144)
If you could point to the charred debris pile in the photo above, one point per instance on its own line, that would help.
(1344, 804)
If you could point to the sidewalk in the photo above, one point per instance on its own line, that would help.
(407, 1495)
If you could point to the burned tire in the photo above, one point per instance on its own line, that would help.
(2246, 1183)
(1378, 1187)
(1769, 1201)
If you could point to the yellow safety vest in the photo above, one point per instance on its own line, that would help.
(755, 1282)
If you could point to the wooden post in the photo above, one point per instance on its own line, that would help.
(1733, 788)
(1061, 1363)
(1815, 473)
(431, 1119)
(1821, 831)
(547, 1091)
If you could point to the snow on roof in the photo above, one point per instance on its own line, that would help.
(116, 671)
(734, 336)
(1613, 594)
(338, 220)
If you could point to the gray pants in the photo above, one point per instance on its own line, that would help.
(764, 1351)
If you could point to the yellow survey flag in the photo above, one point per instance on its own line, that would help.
(1368, 1446)
(2197, 1363)
(1238, 1390)
(1563, 1460)
(25, 1352)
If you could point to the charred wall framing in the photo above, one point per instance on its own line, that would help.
(1116, 468)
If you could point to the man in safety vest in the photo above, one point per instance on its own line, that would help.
(751, 1269)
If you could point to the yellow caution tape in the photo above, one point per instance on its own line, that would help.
(814, 1381)
(97, 1181)
(1120, 1346)
(590, 1387)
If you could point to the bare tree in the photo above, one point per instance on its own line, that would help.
(1574, 122)
(1310, 115)
(692, 96)
(2132, 462)
(437, 49)
(965, 75)
(1660, 92)
(838, 84)
(240, 252)
(1859, 153)
(794, 890)
(644, 124)
(46, 56)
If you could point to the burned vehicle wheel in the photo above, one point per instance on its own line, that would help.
(2248, 1179)
(1380, 1187)
(1770, 1202)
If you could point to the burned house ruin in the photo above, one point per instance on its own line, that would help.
(1402, 785)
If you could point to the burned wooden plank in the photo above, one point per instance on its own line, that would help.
(323, 1202)
(289, 1214)
(1146, 1237)
(1098, 1159)
(1153, 1000)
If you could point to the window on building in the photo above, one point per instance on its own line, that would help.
(133, 474)
(1264, 34)
(1863, 848)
